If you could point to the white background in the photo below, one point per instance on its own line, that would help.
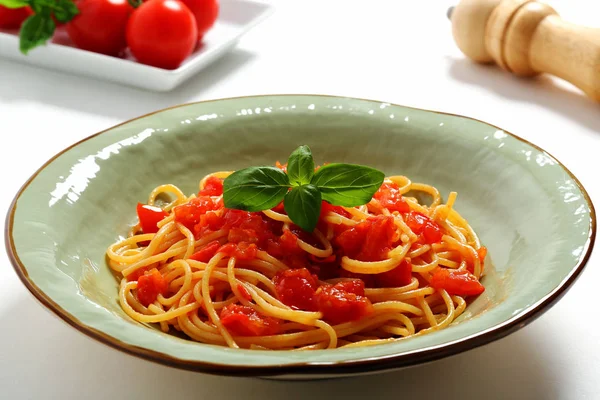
(396, 51)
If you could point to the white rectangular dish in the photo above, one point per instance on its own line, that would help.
(236, 17)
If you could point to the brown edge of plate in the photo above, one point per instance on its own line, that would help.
(376, 364)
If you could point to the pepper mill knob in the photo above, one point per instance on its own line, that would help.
(528, 37)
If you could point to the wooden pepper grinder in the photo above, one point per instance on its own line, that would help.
(527, 37)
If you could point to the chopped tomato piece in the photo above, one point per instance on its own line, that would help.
(207, 252)
(306, 237)
(150, 285)
(379, 239)
(423, 225)
(281, 166)
(279, 208)
(296, 288)
(208, 223)
(149, 217)
(351, 240)
(212, 187)
(189, 214)
(370, 240)
(389, 197)
(368, 279)
(343, 302)
(244, 292)
(245, 321)
(326, 207)
(237, 235)
(241, 251)
(398, 277)
(135, 275)
(460, 283)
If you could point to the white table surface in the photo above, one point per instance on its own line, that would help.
(397, 51)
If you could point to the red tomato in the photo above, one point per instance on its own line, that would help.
(421, 224)
(244, 292)
(238, 235)
(207, 252)
(135, 275)
(398, 277)
(296, 288)
(212, 187)
(149, 217)
(343, 302)
(245, 321)
(162, 33)
(326, 207)
(241, 251)
(389, 197)
(281, 166)
(460, 283)
(205, 12)
(208, 223)
(150, 285)
(12, 18)
(189, 214)
(100, 26)
(279, 208)
(369, 240)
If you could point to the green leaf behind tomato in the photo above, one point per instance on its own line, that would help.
(64, 10)
(255, 188)
(347, 185)
(303, 205)
(35, 31)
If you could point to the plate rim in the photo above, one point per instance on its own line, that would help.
(347, 367)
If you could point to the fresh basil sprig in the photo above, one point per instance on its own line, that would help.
(262, 188)
(38, 28)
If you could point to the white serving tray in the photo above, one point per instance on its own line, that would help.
(236, 17)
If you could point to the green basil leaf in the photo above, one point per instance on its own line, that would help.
(13, 3)
(255, 188)
(301, 166)
(64, 10)
(303, 205)
(347, 185)
(35, 31)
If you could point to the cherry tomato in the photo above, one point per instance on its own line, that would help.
(149, 217)
(100, 26)
(12, 18)
(205, 12)
(162, 33)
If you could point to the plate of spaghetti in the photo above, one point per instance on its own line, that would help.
(300, 236)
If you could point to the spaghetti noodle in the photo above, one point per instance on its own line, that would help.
(384, 271)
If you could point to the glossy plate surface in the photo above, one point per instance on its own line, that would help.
(236, 17)
(529, 210)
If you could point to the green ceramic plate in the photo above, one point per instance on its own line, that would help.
(533, 215)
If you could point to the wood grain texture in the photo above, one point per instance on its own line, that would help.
(527, 37)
